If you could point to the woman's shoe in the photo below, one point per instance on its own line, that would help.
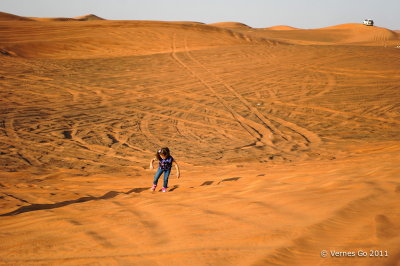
(153, 187)
(164, 189)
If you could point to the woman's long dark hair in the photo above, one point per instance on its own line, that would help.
(164, 151)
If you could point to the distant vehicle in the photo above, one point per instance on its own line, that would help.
(368, 22)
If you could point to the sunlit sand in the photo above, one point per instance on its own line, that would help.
(287, 140)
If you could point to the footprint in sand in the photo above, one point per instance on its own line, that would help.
(207, 183)
(229, 179)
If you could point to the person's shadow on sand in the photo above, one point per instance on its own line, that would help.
(108, 195)
(38, 207)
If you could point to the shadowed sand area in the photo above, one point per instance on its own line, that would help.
(287, 140)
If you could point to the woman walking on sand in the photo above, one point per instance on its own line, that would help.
(165, 164)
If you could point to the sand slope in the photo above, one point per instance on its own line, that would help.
(281, 27)
(285, 149)
(93, 39)
(89, 17)
(230, 25)
(344, 34)
(10, 17)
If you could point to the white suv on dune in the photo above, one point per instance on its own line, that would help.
(368, 22)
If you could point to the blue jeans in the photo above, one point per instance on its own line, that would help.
(159, 173)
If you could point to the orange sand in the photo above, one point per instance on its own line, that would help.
(281, 27)
(287, 139)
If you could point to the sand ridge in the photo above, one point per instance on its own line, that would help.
(231, 25)
(102, 38)
(286, 147)
(10, 17)
(89, 17)
(343, 34)
(281, 27)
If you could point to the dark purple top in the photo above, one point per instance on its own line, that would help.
(166, 164)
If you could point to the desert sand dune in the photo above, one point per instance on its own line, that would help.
(93, 39)
(361, 33)
(286, 149)
(51, 19)
(281, 27)
(10, 17)
(344, 34)
(231, 25)
(89, 17)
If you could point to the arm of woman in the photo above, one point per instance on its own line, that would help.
(177, 168)
(152, 163)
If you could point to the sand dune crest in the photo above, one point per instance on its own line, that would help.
(350, 33)
(281, 27)
(10, 17)
(231, 25)
(89, 17)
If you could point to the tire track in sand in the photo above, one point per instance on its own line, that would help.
(332, 111)
(183, 130)
(310, 137)
(189, 133)
(260, 133)
(13, 136)
(145, 130)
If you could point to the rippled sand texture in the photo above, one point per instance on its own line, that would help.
(287, 139)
